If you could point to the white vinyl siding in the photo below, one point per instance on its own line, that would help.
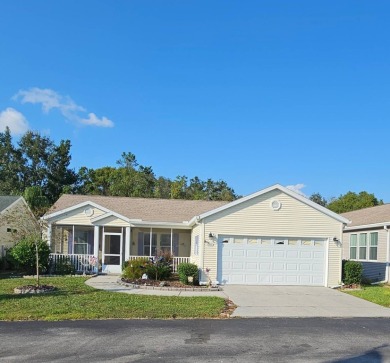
(255, 217)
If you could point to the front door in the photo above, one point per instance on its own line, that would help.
(112, 256)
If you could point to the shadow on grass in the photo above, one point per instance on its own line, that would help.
(4, 297)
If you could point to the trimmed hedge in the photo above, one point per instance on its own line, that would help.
(352, 272)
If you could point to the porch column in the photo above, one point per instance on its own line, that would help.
(49, 228)
(96, 237)
(127, 243)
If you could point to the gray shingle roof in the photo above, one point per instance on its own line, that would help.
(6, 201)
(372, 215)
(147, 209)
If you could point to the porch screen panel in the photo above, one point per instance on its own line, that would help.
(70, 241)
(175, 246)
(140, 244)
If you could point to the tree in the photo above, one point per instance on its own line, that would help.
(352, 201)
(319, 199)
(35, 199)
(11, 166)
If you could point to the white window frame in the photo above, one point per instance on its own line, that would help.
(370, 245)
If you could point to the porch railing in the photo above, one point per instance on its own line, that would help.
(176, 261)
(80, 263)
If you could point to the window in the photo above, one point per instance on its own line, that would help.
(362, 246)
(147, 250)
(11, 230)
(353, 246)
(196, 246)
(373, 246)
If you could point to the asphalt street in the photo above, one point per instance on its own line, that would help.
(232, 340)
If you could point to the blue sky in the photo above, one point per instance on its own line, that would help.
(250, 92)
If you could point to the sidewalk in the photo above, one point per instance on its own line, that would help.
(112, 283)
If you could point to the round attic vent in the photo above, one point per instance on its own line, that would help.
(275, 204)
(88, 212)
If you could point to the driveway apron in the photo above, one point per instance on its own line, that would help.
(299, 302)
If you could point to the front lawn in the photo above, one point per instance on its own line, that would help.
(378, 294)
(73, 299)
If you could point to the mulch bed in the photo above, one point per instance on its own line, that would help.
(174, 283)
(33, 289)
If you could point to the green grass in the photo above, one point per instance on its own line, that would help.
(378, 294)
(74, 300)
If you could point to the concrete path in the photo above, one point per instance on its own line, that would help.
(268, 301)
(299, 302)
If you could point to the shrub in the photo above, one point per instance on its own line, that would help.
(160, 267)
(352, 272)
(134, 269)
(24, 254)
(63, 266)
(186, 270)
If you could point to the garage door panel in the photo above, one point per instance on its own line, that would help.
(251, 266)
(265, 253)
(292, 267)
(270, 264)
(292, 254)
(238, 253)
(277, 266)
(265, 266)
(279, 254)
(252, 253)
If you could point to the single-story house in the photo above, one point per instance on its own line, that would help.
(367, 239)
(274, 236)
(16, 220)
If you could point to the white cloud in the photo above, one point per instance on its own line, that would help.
(50, 99)
(297, 188)
(96, 121)
(15, 120)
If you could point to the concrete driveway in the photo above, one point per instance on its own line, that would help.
(299, 302)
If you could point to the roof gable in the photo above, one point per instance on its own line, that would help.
(285, 190)
(7, 201)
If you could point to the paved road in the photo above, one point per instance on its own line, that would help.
(234, 340)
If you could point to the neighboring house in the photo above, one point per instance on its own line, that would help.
(367, 240)
(16, 220)
(273, 237)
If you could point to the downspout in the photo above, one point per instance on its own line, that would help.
(387, 254)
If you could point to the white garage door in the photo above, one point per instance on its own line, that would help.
(271, 261)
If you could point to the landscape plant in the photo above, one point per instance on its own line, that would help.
(186, 270)
(352, 272)
(31, 255)
(134, 269)
(159, 267)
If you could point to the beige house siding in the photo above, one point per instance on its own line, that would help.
(382, 243)
(196, 231)
(19, 220)
(256, 217)
(78, 217)
(112, 222)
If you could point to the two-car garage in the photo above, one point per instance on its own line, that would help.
(272, 237)
(271, 260)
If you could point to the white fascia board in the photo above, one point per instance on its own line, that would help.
(269, 189)
(110, 214)
(366, 226)
(146, 224)
(75, 207)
